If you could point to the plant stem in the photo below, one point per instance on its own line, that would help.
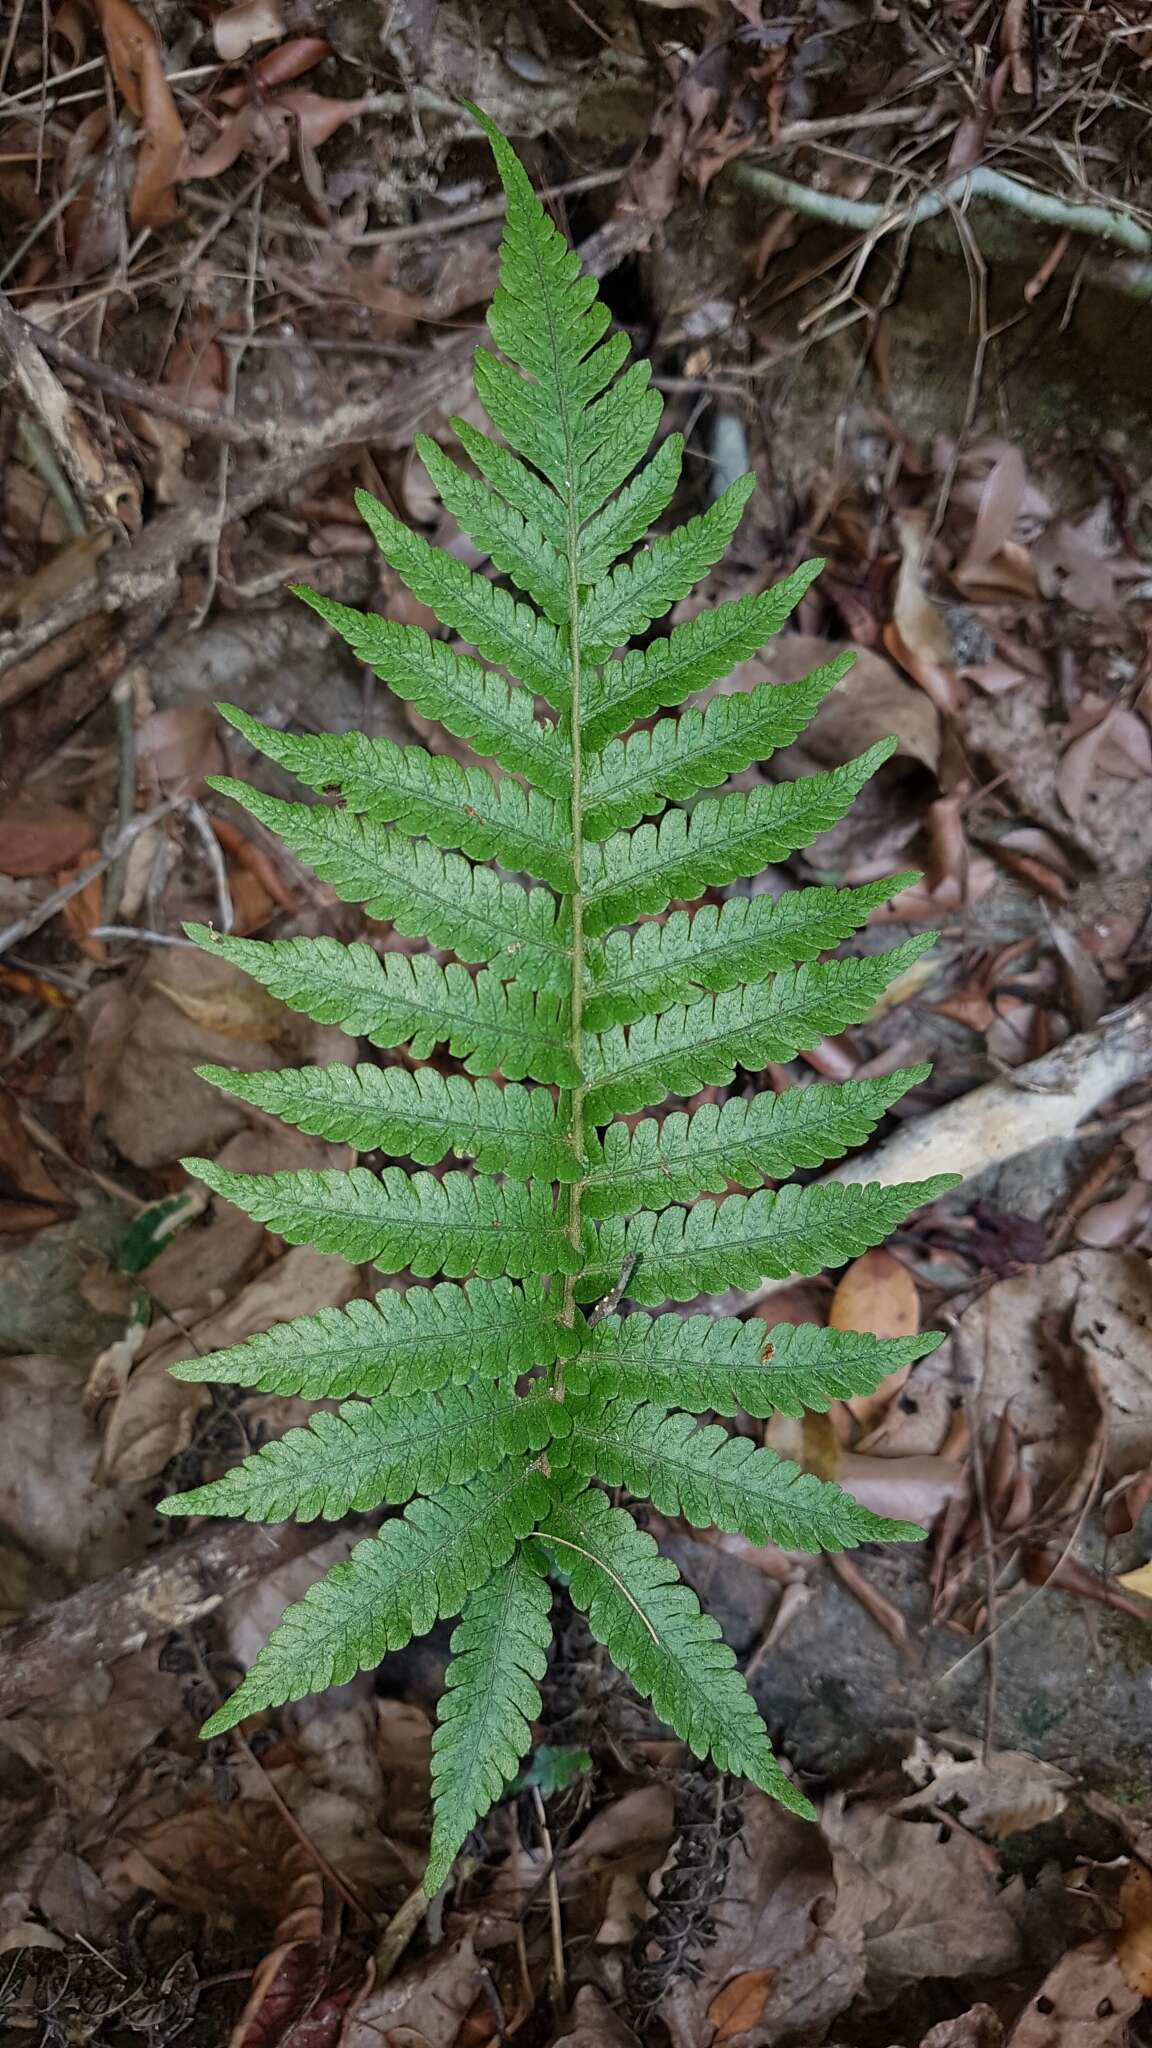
(576, 1099)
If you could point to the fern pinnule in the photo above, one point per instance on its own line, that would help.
(489, 1410)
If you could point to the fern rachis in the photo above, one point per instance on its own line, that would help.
(491, 1411)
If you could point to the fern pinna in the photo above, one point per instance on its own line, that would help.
(493, 1402)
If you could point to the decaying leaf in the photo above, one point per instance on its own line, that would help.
(739, 2006)
(917, 635)
(1083, 2003)
(37, 838)
(137, 64)
(1005, 1794)
(877, 1295)
(1134, 1942)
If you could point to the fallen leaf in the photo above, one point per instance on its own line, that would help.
(84, 911)
(1083, 2003)
(1005, 1794)
(776, 1902)
(1138, 1581)
(239, 29)
(29, 1197)
(1118, 1221)
(877, 1296)
(1134, 1942)
(38, 838)
(918, 1899)
(595, 2025)
(270, 128)
(178, 748)
(979, 2027)
(137, 65)
(739, 2006)
(54, 1504)
(871, 702)
(210, 1860)
(426, 2003)
(918, 636)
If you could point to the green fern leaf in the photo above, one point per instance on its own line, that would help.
(676, 1158)
(716, 1480)
(425, 893)
(628, 517)
(376, 1451)
(700, 1044)
(486, 616)
(496, 718)
(715, 1362)
(400, 1343)
(406, 1221)
(723, 838)
(651, 1625)
(684, 1252)
(430, 794)
(639, 591)
(639, 973)
(493, 1408)
(423, 1116)
(402, 999)
(491, 1697)
(512, 542)
(698, 750)
(693, 656)
(394, 1586)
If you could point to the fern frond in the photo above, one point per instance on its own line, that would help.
(513, 543)
(677, 1157)
(431, 794)
(693, 656)
(652, 1627)
(696, 1045)
(735, 1243)
(406, 1221)
(716, 1363)
(631, 596)
(375, 1451)
(409, 999)
(495, 717)
(394, 1586)
(721, 839)
(400, 1343)
(493, 1408)
(698, 750)
(491, 1697)
(425, 893)
(630, 515)
(716, 1480)
(503, 630)
(423, 1116)
(638, 973)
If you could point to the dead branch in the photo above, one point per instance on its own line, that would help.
(100, 484)
(45, 1652)
(144, 570)
(214, 426)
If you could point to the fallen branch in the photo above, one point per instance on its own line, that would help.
(144, 570)
(1038, 1104)
(45, 1652)
(101, 485)
(214, 426)
(1103, 223)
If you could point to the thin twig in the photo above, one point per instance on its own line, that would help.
(559, 1974)
(240, 432)
(33, 919)
(325, 1868)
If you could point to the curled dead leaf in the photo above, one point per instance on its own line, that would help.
(239, 29)
(917, 635)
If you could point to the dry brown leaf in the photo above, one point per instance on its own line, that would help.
(1083, 2003)
(738, 2007)
(84, 912)
(871, 702)
(1138, 1581)
(37, 838)
(1005, 1794)
(423, 2006)
(1118, 1221)
(214, 1860)
(1134, 1943)
(270, 128)
(877, 1296)
(54, 1504)
(906, 1489)
(595, 2025)
(919, 1900)
(776, 1901)
(918, 636)
(178, 748)
(29, 1197)
(137, 64)
(979, 2027)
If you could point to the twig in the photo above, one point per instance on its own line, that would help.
(326, 1869)
(198, 819)
(45, 1652)
(124, 698)
(98, 482)
(1105, 223)
(239, 432)
(559, 1974)
(33, 919)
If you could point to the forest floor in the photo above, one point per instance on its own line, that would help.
(897, 259)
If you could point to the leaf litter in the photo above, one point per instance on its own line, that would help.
(987, 574)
